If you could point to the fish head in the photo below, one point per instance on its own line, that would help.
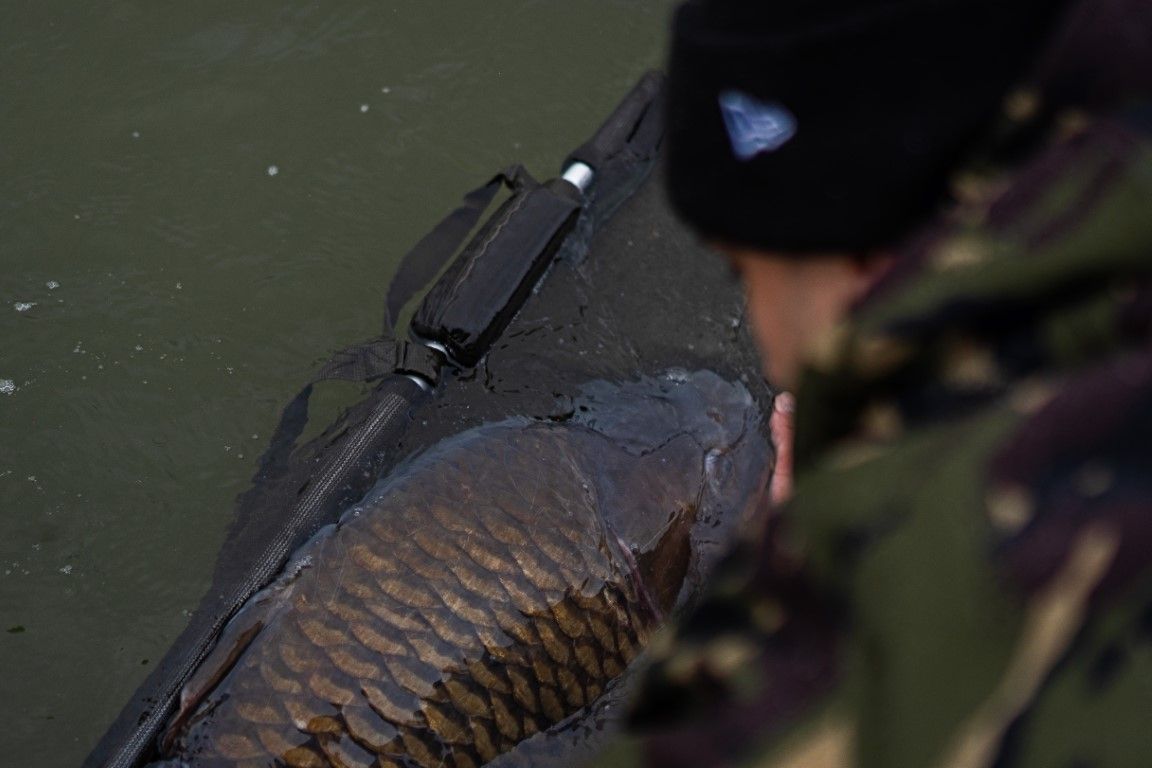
(687, 462)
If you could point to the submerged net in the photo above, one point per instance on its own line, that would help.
(629, 294)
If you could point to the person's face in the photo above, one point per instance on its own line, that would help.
(793, 301)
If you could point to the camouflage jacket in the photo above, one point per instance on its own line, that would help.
(964, 574)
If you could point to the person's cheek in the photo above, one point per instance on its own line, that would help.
(769, 330)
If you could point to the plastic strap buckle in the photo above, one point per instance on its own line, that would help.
(418, 360)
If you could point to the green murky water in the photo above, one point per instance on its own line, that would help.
(199, 202)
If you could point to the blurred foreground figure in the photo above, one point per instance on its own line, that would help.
(954, 275)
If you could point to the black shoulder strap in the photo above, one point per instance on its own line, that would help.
(429, 256)
(366, 362)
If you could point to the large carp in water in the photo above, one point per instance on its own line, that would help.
(489, 589)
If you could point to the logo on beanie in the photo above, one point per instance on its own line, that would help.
(755, 126)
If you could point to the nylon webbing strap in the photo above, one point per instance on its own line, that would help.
(429, 256)
(377, 358)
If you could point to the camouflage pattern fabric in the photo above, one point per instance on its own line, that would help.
(963, 578)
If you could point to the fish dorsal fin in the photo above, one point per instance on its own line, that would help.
(236, 637)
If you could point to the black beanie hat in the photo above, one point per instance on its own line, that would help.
(832, 125)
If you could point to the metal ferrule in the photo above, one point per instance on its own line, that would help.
(579, 175)
(419, 381)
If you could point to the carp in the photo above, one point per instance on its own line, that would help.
(489, 589)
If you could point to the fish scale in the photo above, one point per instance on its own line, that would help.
(447, 634)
